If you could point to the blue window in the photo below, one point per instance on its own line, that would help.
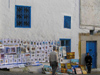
(67, 43)
(67, 22)
(22, 16)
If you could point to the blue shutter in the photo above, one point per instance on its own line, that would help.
(67, 22)
(26, 20)
(67, 43)
(22, 16)
(19, 16)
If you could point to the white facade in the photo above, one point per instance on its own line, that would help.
(89, 14)
(47, 21)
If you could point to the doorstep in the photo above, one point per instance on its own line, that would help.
(96, 70)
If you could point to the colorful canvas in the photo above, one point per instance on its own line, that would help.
(10, 56)
(6, 61)
(15, 61)
(1, 42)
(2, 56)
(15, 56)
(68, 66)
(28, 49)
(69, 71)
(70, 55)
(10, 61)
(1, 61)
(18, 50)
(23, 60)
(7, 50)
(82, 67)
(78, 71)
(84, 71)
(74, 61)
(19, 60)
(13, 50)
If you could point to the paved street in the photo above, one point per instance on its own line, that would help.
(21, 73)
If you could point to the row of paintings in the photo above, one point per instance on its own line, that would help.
(27, 42)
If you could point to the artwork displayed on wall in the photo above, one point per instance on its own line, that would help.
(1, 50)
(5, 56)
(19, 60)
(60, 55)
(23, 60)
(15, 56)
(18, 51)
(7, 49)
(32, 49)
(1, 61)
(10, 56)
(64, 51)
(28, 49)
(1, 42)
(13, 50)
(61, 60)
(6, 61)
(15, 60)
(2, 56)
(22, 55)
(32, 59)
(10, 61)
(60, 49)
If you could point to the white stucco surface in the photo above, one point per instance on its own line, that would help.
(47, 20)
(90, 12)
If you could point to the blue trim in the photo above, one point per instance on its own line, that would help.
(67, 22)
(23, 26)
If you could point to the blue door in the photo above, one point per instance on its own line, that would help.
(91, 48)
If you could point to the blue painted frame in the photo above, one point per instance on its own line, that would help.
(69, 42)
(67, 22)
(16, 17)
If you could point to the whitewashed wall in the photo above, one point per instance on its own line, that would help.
(47, 20)
(90, 12)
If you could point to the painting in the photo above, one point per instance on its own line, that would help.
(10, 61)
(28, 49)
(1, 61)
(15, 61)
(1, 50)
(10, 56)
(1, 56)
(22, 55)
(19, 60)
(7, 50)
(15, 56)
(18, 49)
(6, 61)
(13, 50)
(33, 49)
(23, 60)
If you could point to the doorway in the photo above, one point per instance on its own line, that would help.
(91, 48)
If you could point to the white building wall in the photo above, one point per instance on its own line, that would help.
(47, 20)
(89, 14)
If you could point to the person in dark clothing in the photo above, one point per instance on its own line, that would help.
(88, 60)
